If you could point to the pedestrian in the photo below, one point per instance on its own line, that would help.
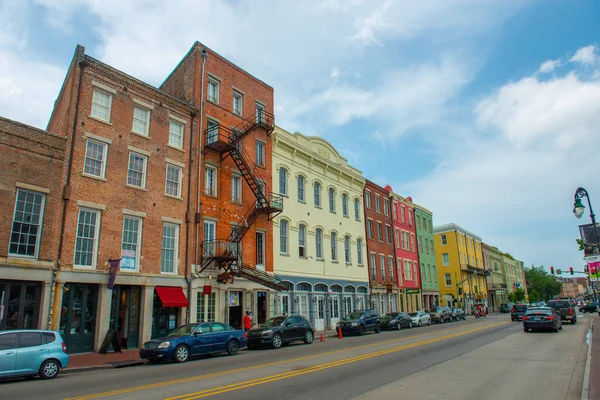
(247, 321)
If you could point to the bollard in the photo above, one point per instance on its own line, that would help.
(339, 332)
(322, 338)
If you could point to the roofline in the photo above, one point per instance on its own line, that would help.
(454, 227)
(379, 187)
(39, 130)
(425, 210)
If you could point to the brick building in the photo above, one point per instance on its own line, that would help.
(383, 271)
(30, 195)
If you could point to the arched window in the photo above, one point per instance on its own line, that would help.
(347, 249)
(357, 209)
(333, 246)
(301, 188)
(359, 252)
(302, 240)
(331, 200)
(317, 189)
(283, 236)
(345, 205)
(320, 287)
(282, 181)
(319, 243)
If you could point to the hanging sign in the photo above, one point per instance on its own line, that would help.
(207, 289)
(127, 260)
(112, 273)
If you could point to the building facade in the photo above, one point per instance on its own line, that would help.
(407, 256)
(461, 269)
(427, 260)
(383, 271)
(496, 284)
(319, 245)
(514, 274)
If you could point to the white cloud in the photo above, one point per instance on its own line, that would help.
(335, 73)
(586, 56)
(549, 66)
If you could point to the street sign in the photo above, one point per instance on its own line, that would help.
(558, 271)
(412, 291)
(388, 287)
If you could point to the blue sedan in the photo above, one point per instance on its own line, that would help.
(194, 340)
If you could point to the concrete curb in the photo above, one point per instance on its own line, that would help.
(585, 390)
(115, 365)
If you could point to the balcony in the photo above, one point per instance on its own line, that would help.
(473, 269)
(497, 286)
(219, 251)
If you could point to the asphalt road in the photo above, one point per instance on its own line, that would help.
(431, 362)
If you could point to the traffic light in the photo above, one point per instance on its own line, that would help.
(460, 291)
(552, 270)
(571, 270)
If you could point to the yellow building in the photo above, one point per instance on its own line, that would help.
(461, 272)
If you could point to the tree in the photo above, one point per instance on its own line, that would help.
(516, 296)
(542, 282)
(580, 244)
(534, 296)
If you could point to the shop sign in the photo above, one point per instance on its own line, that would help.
(207, 289)
(234, 299)
(127, 260)
(413, 291)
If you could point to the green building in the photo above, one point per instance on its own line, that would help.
(427, 260)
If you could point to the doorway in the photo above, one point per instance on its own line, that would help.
(19, 305)
(78, 316)
(261, 307)
(125, 314)
(236, 309)
(335, 310)
(347, 305)
(284, 304)
(320, 313)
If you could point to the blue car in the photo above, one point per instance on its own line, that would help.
(27, 353)
(193, 340)
(360, 322)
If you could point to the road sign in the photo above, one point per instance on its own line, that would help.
(558, 271)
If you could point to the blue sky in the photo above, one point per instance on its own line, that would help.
(486, 112)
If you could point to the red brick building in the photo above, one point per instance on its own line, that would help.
(383, 271)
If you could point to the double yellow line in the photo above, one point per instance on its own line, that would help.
(285, 375)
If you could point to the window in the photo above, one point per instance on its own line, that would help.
(95, 158)
(236, 189)
(373, 267)
(302, 240)
(170, 239)
(237, 103)
(432, 248)
(213, 90)
(421, 244)
(410, 217)
(347, 249)
(131, 243)
(205, 307)
(101, 104)
(212, 131)
(397, 239)
(260, 249)
(412, 243)
(359, 251)
(301, 196)
(210, 181)
(283, 236)
(391, 268)
(408, 273)
(29, 339)
(379, 232)
(444, 239)
(357, 209)
(448, 279)
(403, 215)
(405, 244)
(333, 246)
(418, 222)
(319, 243)
(317, 194)
(141, 120)
(175, 134)
(136, 171)
(370, 228)
(173, 180)
(388, 234)
(368, 199)
(345, 204)
(399, 261)
(382, 266)
(86, 241)
(260, 113)
(430, 228)
(282, 181)
(27, 223)
(395, 212)
(386, 207)
(331, 200)
(445, 259)
(8, 341)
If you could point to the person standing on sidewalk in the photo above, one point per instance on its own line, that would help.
(247, 321)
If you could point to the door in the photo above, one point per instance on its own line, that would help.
(320, 313)
(235, 300)
(125, 313)
(335, 310)
(219, 337)
(203, 340)
(8, 353)
(303, 306)
(348, 305)
(31, 352)
(289, 330)
(210, 228)
(261, 307)
(78, 316)
(284, 304)
(260, 250)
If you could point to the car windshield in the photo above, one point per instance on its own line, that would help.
(274, 321)
(354, 315)
(184, 330)
(520, 308)
(412, 314)
(435, 309)
(391, 314)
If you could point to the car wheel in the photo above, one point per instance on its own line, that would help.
(419, 323)
(377, 328)
(232, 348)
(182, 353)
(442, 320)
(398, 326)
(49, 369)
(276, 342)
(526, 329)
(361, 330)
(309, 337)
(410, 325)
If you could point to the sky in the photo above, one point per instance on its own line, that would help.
(485, 112)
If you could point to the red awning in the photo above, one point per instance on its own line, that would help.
(172, 296)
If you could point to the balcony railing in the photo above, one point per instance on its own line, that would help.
(220, 249)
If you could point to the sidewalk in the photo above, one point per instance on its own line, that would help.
(594, 376)
(95, 361)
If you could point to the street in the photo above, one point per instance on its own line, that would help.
(488, 358)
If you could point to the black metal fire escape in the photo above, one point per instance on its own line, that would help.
(225, 254)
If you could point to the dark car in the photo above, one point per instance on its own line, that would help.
(396, 320)
(194, 340)
(589, 307)
(282, 330)
(459, 313)
(518, 310)
(440, 314)
(360, 322)
(541, 318)
(564, 309)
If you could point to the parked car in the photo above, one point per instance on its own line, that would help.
(542, 318)
(193, 340)
(280, 331)
(440, 314)
(396, 320)
(360, 322)
(459, 313)
(420, 318)
(589, 307)
(518, 310)
(27, 353)
(565, 309)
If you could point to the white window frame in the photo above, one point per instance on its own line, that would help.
(302, 240)
(386, 207)
(331, 199)
(399, 263)
(146, 131)
(282, 176)
(95, 103)
(39, 224)
(391, 267)
(443, 239)
(368, 199)
(143, 172)
(333, 245)
(380, 231)
(95, 238)
(210, 189)
(319, 243)
(408, 273)
(370, 229)
(103, 161)
(448, 278)
(357, 209)
(240, 97)
(260, 249)
(345, 198)
(175, 250)
(212, 131)
(179, 136)
(359, 251)
(260, 153)
(301, 188)
(236, 189)
(215, 84)
(179, 179)
(377, 203)
(412, 243)
(317, 194)
(284, 237)
(388, 234)
(348, 249)
(138, 245)
(373, 262)
(403, 214)
(382, 267)
(445, 260)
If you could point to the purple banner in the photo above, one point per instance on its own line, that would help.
(112, 273)
(588, 236)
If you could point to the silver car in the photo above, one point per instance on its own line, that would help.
(420, 318)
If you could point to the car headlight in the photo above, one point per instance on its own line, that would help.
(354, 324)
(164, 345)
(267, 332)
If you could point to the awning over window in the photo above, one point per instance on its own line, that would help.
(172, 296)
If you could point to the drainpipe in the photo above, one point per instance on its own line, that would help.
(66, 193)
(197, 217)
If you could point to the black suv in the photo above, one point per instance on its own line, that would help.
(440, 314)
(518, 310)
(360, 322)
(278, 331)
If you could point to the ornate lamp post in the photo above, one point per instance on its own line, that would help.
(578, 210)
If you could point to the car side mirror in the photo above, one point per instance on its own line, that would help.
(288, 323)
(196, 333)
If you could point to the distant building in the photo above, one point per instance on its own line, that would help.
(427, 260)
(496, 284)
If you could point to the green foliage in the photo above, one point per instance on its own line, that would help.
(509, 256)
(545, 285)
(516, 296)
(534, 296)
(580, 244)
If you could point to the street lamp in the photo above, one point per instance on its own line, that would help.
(578, 210)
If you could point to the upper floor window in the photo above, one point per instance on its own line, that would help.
(410, 217)
(210, 181)
(386, 207)
(347, 257)
(283, 236)
(86, 238)
(27, 224)
(443, 239)
(260, 154)
(403, 214)
(377, 205)
(260, 113)
(317, 194)
(95, 158)
(101, 104)
(359, 251)
(412, 243)
(345, 204)
(282, 181)
(373, 267)
(176, 134)
(319, 243)
(237, 103)
(382, 266)
(301, 196)
(131, 243)
(331, 200)
(333, 246)
(213, 90)
(236, 189)
(302, 240)
(173, 180)
(420, 242)
(141, 120)
(379, 232)
(170, 241)
(136, 171)
(445, 259)
(391, 268)
(388, 234)
(357, 209)
(212, 131)
(368, 199)
(394, 212)
(418, 222)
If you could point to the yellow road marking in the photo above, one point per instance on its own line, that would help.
(260, 366)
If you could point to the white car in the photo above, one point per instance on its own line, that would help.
(420, 318)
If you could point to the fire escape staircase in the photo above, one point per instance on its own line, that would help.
(225, 253)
